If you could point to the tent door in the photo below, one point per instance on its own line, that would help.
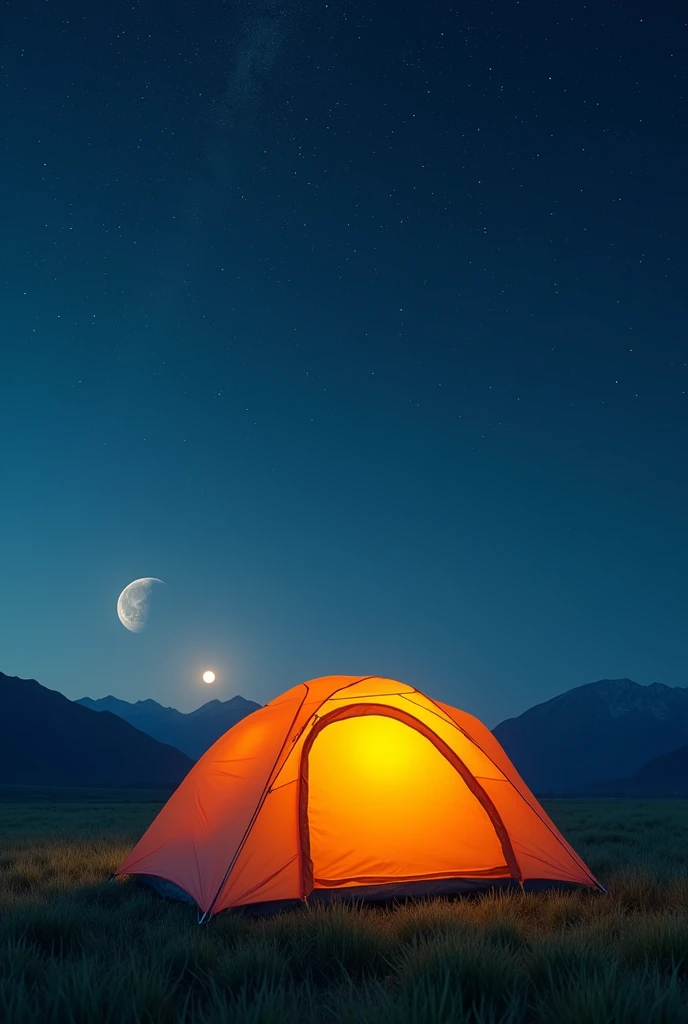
(382, 802)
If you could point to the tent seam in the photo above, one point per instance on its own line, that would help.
(278, 871)
(263, 796)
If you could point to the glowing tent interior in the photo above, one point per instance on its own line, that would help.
(356, 786)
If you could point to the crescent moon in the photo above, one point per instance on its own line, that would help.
(132, 603)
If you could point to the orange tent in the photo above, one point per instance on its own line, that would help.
(351, 786)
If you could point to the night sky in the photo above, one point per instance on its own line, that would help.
(363, 326)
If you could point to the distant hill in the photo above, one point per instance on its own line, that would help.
(664, 777)
(601, 731)
(193, 732)
(48, 740)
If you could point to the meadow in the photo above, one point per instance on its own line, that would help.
(75, 948)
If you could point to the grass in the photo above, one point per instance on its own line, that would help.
(76, 949)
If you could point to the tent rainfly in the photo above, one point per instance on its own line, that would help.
(349, 786)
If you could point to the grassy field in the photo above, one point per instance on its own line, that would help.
(75, 949)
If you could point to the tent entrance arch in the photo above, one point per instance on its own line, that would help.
(383, 799)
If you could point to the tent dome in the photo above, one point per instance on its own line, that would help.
(352, 786)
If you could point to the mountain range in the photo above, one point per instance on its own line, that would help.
(609, 738)
(46, 739)
(596, 734)
(192, 733)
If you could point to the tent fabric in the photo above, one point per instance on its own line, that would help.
(347, 785)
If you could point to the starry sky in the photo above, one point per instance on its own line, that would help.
(363, 330)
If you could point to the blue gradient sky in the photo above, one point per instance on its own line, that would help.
(366, 335)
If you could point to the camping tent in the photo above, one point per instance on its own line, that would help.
(351, 786)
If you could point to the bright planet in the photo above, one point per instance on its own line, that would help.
(208, 677)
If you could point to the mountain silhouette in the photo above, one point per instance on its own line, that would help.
(612, 737)
(192, 733)
(594, 733)
(664, 777)
(46, 739)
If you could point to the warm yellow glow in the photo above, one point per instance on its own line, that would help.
(208, 677)
(383, 802)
